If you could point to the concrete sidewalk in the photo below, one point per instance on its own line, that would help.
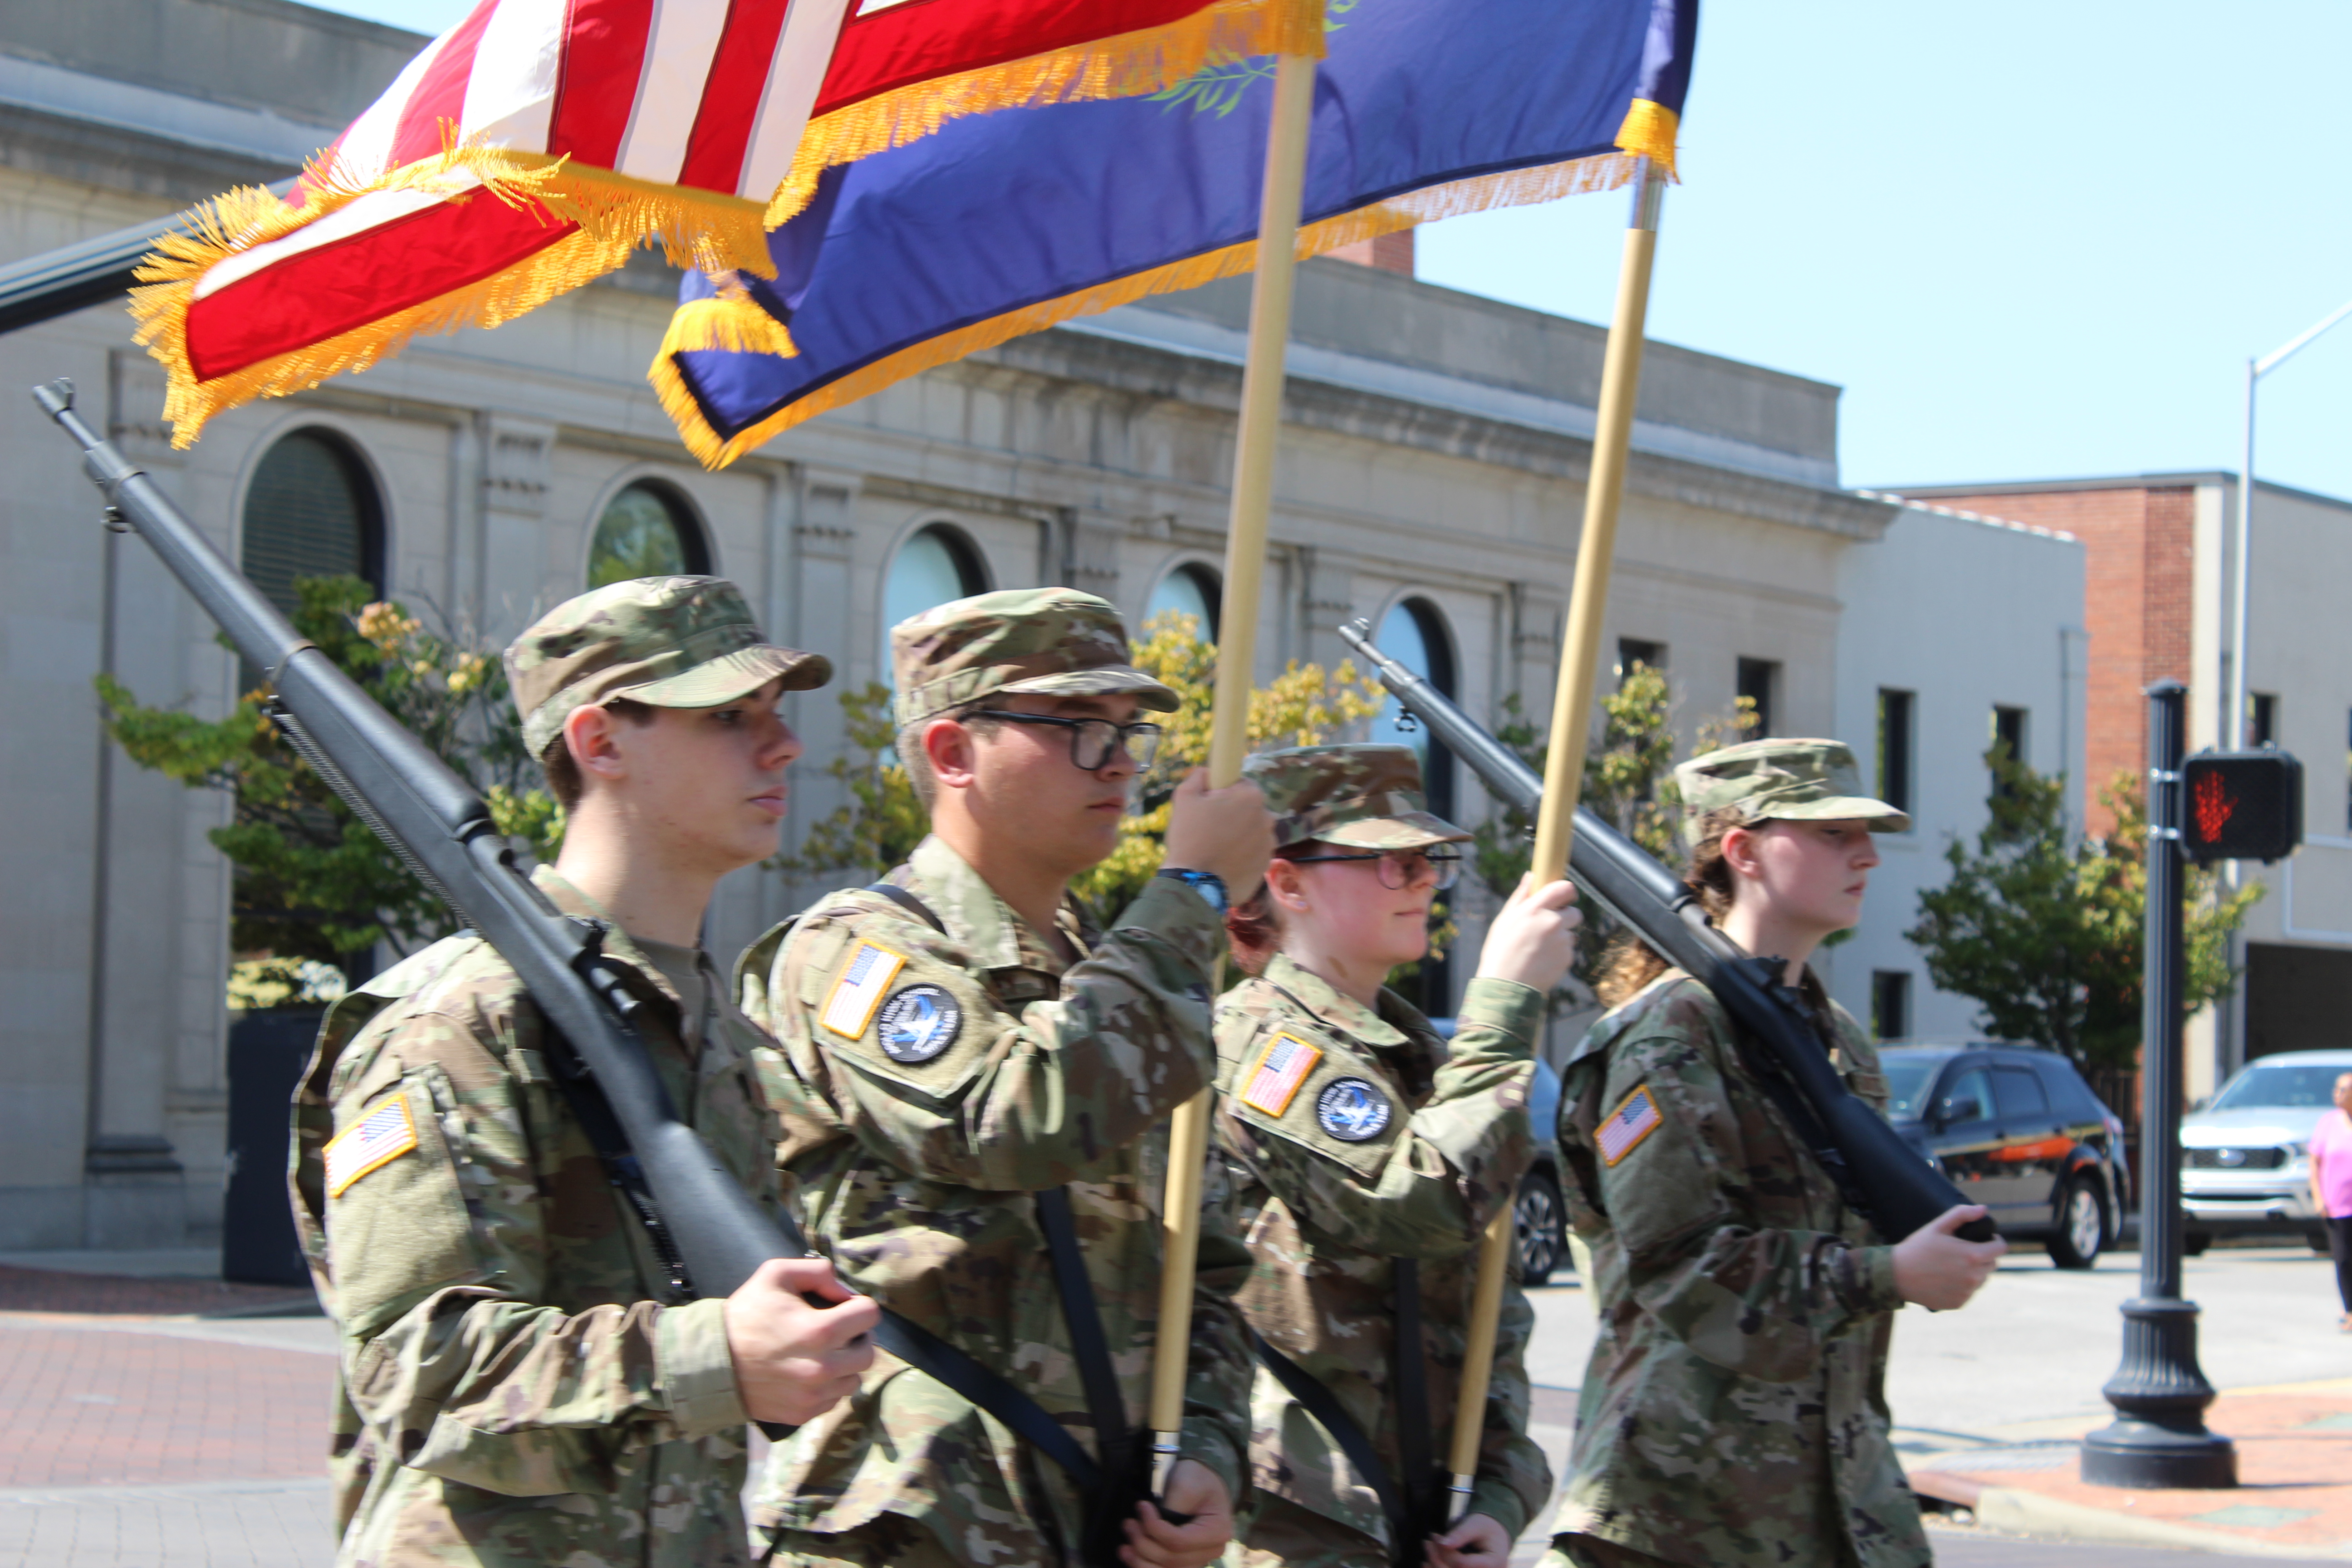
(2293, 1498)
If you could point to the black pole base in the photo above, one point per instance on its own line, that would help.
(2146, 1457)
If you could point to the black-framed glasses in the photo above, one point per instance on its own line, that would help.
(1093, 742)
(1400, 868)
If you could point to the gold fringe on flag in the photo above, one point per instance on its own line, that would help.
(1127, 66)
(1649, 132)
(724, 323)
(616, 214)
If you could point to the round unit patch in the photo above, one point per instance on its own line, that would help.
(919, 1023)
(1353, 1111)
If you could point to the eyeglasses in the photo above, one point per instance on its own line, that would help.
(1400, 868)
(1093, 742)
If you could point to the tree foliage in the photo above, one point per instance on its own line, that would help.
(313, 884)
(2047, 936)
(881, 820)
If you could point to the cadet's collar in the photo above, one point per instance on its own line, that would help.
(570, 900)
(984, 924)
(1344, 1014)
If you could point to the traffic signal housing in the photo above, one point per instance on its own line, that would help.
(2240, 805)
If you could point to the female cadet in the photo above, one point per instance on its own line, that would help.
(1733, 1411)
(1367, 1157)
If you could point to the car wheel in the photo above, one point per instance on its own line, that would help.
(2194, 1243)
(2082, 1225)
(1540, 1221)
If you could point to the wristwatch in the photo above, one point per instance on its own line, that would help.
(1208, 884)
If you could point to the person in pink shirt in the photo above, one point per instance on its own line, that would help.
(2331, 1188)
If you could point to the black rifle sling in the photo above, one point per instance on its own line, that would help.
(1023, 1415)
(1331, 1415)
(1411, 1401)
(1803, 1119)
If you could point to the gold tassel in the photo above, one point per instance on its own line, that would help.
(615, 213)
(1649, 132)
(694, 327)
(1128, 66)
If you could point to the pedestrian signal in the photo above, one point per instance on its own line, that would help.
(2240, 805)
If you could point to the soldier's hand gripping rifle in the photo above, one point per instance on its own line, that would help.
(710, 1233)
(1886, 1180)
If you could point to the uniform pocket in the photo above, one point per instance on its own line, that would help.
(396, 1224)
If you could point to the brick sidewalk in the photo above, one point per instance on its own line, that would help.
(2295, 1470)
(53, 1290)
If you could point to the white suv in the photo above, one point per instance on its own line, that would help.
(2246, 1158)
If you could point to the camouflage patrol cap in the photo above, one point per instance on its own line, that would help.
(1054, 641)
(1369, 797)
(671, 642)
(1786, 780)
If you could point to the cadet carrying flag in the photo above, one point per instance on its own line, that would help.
(1002, 225)
(532, 147)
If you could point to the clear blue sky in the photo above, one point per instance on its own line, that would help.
(2030, 239)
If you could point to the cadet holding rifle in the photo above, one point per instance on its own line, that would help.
(1369, 1157)
(976, 1082)
(1735, 1409)
(522, 1380)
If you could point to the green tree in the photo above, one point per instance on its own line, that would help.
(2047, 936)
(1628, 782)
(313, 884)
(881, 820)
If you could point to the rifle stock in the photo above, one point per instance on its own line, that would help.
(1887, 1179)
(437, 824)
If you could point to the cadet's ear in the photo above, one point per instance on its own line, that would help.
(592, 734)
(1740, 852)
(946, 744)
(1286, 884)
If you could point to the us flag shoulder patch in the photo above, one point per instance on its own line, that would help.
(1633, 1120)
(1275, 1080)
(859, 988)
(377, 1139)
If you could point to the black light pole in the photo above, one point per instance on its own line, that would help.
(2158, 1437)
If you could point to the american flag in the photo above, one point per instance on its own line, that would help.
(1635, 1117)
(382, 1134)
(1280, 1071)
(532, 147)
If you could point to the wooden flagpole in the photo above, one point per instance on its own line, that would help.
(1571, 722)
(1253, 496)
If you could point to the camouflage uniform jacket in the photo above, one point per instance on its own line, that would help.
(916, 1152)
(520, 1381)
(1327, 1211)
(1735, 1410)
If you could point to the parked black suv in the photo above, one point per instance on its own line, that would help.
(2018, 1131)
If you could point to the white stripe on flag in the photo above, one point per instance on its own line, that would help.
(371, 211)
(510, 95)
(359, 156)
(803, 54)
(683, 39)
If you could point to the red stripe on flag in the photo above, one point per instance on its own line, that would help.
(440, 92)
(603, 58)
(919, 39)
(346, 284)
(730, 97)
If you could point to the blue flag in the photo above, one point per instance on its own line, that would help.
(1007, 223)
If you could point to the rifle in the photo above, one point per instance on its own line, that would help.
(1883, 1179)
(708, 1231)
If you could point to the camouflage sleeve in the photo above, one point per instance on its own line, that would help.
(438, 1242)
(922, 1066)
(1660, 1143)
(1221, 1368)
(1422, 1184)
(1514, 1478)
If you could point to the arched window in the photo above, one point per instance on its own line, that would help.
(1413, 633)
(935, 565)
(647, 530)
(310, 512)
(1193, 590)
